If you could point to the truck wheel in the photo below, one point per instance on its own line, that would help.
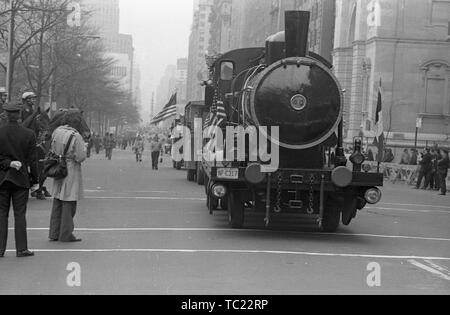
(349, 212)
(190, 175)
(212, 203)
(331, 219)
(236, 214)
(206, 185)
(200, 175)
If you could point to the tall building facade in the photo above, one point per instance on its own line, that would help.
(166, 88)
(198, 47)
(403, 47)
(137, 93)
(104, 16)
(248, 23)
(181, 77)
(220, 30)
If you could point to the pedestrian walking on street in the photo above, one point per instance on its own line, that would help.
(109, 144)
(17, 156)
(425, 170)
(406, 158)
(139, 149)
(97, 143)
(90, 145)
(67, 191)
(443, 166)
(433, 172)
(413, 160)
(156, 148)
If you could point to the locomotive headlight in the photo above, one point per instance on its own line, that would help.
(373, 196)
(219, 191)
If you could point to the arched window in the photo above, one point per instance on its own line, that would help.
(436, 78)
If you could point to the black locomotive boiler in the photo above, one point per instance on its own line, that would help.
(286, 86)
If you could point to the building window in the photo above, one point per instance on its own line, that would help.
(440, 12)
(436, 77)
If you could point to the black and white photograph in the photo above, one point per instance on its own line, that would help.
(224, 153)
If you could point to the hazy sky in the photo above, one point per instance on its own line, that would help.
(160, 30)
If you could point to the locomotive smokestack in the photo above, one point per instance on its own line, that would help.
(297, 29)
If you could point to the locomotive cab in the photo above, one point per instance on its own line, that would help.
(295, 91)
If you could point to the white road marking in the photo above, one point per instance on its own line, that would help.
(413, 205)
(245, 231)
(129, 192)
(407, 210)
(436, 266)
(217, 251)
(201, 199)
(429, 269)
(145, 198)
(149, 192)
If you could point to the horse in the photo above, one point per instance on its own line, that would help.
(47, 127)
(76, 116)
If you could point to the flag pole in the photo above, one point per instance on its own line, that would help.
(380, 154)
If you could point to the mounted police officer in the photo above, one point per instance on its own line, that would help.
(3, 98)
(17, 155)
(29, 100)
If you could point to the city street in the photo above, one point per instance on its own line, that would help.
(147, 232)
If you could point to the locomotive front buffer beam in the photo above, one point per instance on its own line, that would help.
(306, 193)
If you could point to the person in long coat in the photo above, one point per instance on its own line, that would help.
(68, 191)
(443, 166)
(425, 170)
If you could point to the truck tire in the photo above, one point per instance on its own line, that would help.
(191, 175)
(200, 175)
(236, 211)
(349, 211)
(211, 203)
(331, 219)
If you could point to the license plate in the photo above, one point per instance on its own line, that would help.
(228, 173)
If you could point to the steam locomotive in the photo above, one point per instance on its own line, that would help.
(284, 85)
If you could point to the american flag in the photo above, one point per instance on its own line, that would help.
(379, 126)
(170, 110)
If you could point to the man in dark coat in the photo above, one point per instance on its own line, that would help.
(414, 156)
(443, 166)
(17, 155)
(426, 166)
(110, 144)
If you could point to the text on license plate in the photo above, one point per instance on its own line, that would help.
(228, 173)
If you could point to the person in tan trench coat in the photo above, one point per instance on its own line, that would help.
(68, 191)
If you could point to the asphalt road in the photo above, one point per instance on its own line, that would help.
(147, 232)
